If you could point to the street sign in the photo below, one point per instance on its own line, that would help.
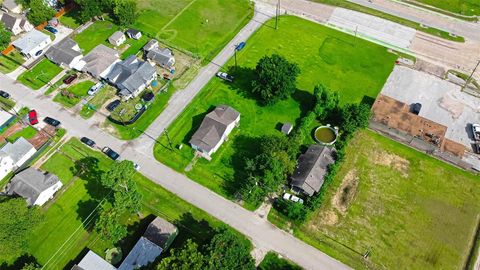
(240, 46)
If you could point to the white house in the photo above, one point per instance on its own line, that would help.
(6, 164)
(117, 38)
(134, 33)
(34, 185)
(214, 130)
(15, 23)
(14, 155)
(32, 43)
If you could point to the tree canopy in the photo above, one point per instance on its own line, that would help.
(187, 258)
(16, 223)
(125, 12)
(275, 79)
(39, 12)
(5, 36)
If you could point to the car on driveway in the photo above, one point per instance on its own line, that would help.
(148, 96)
(51, 29)
(113, 105)
(32, 117)
(4, 94)
(52, 122)
(290, 197)
(225, 76)
(476, 132)
(94, 89)
(87, 141)
(110, 153)
(70, 79)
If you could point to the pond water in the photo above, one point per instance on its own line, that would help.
(325, 135)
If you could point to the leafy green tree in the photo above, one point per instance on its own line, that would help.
(16, 222)
(275, 79)
(89, 9)
(5, 36)
(228, 251)
(327, 102)
(120, 180)
(187, 258)
(39, 12)
(31, 266)
(295, 211)
(125, 11)
(109, 225)
(273, 262)
(354, 117)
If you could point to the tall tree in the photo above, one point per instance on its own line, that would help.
(89, 9)
(109, 225)
(16, 222)
(327, 102)
(5, 36)
(39, 12)
(354, 117)
(125, 11)
(187, 258)
(275, 79)
(228, 251)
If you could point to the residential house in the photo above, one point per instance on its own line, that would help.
(34, 185)
(117, 38)
(214, 129)
(163, 57)
(14, 155)
(92, 261)
(12, 6)
(311, 169)
(99, 62)
(134, 33)
(5, 119)
(66, 53)
(32, 43)
(15, 23)
(131, 76)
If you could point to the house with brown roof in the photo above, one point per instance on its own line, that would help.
(214, 130)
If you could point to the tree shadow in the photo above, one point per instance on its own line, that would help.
(199, 231)
(88, 170)
(242, 83)
(368, 100)
(19, 262)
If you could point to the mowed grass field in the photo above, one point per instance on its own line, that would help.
(409, 210)
(324, 56)
(66, 233)
(464, 7)
(201, 27)
(41, 74)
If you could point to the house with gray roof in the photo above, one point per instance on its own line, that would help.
(15, 23)
(134, 33)
(99, 61)
(12, 6)
(131, 76)
(92, 261)
(66, 53)
(20, 151)
(32, 43)
(312, 166)
(163, 57)
(117, 38)
(35, 186)
(214, 130)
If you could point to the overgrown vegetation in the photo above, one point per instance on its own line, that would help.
(5, 36)
(124, 12)
(272, 261)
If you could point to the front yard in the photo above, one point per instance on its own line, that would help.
(11, 61)
(70, 96)
(41, 74)
(323, 55)
(407, 209)
(94, 104)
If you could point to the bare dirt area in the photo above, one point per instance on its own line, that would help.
(346, 192)
(393, 161)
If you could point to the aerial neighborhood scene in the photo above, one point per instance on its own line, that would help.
(239, 134)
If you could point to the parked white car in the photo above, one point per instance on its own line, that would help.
(290, 197)
(94, 89)
(225, 76)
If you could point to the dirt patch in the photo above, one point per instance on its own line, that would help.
(328, 217)
(391, 160)
(346, 192)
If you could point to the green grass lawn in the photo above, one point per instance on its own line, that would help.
(201, 27)
(79, 90)
(134, 46)
(97, 101)
(70, 19)
(10, 62)
(58, 83)
(27, 133)
(40, 74)
(66, 228)
(324, 56)
(463, 7)
(271, 261)
(408, 209)
(97, 33)
(6, 103)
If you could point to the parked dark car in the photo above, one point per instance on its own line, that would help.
(51, 29)
(39, 53)
(52, 122)
(415, 108)
(110, 153)
(33, 117)
(70, 79)
(4, 94)
(113, 105)
(87, 141)
(148, 96)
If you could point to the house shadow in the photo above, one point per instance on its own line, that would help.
(77, 259)
(19, 262)
(196, 121)
(368, 100)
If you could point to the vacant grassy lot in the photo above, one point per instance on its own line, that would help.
(97, 101)
(463, 7)
(67, 226)
(40, 74)
(27, 133)
(96, 34)
(79, 91)
(10, 62)
(324, 56)
(409, 210)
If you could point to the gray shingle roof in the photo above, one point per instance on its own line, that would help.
(130, 74)
(99, 59)
(151, 44)
(115, 37)
(9, 20)
(312, 168)
(213, 127)
(161, 56)
(29, 183)
(159, 232)
(10, 4)
(64, 52)
(18, 149)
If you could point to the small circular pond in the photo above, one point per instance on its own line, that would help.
(326, 135)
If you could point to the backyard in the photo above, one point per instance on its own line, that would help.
(406, 209)
(69, 97)
(41, 74)
(67, 226)
(323, 55)
(95, 34)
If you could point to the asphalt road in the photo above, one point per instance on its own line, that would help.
(263, 234)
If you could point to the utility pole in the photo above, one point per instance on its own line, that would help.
(168, 139)
(277, 13)
(471, 75)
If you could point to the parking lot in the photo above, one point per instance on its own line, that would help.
(442, 101)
